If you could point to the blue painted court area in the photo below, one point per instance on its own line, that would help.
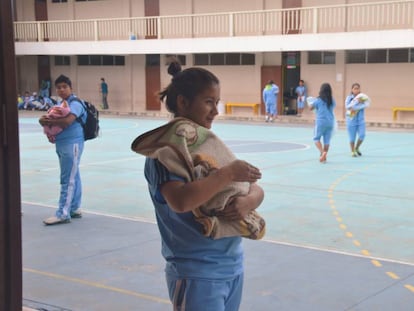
(340, 235)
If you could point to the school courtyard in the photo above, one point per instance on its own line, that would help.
(339, 235)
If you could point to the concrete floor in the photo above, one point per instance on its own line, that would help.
(339, 236)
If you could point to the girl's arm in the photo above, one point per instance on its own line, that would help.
(185, 197)
(239, 206)
(350, 102)
(359, 106)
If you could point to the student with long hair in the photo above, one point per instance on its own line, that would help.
(324, 123)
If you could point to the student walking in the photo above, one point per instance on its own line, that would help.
(202, 273)
(301, 97)
(269, 94)
(355, 104)
(69, 148)
(324, 107)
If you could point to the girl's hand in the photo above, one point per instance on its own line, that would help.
(44, 120)
(240, 170)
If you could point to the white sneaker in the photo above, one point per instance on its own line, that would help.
(55, 221)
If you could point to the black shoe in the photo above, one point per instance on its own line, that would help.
(76, 214)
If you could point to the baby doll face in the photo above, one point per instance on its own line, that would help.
(56, 111)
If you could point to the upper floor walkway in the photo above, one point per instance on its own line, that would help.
(387, 24)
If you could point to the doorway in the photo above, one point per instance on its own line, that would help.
(291, 77)
(271, 73)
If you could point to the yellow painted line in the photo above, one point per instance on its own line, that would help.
(98, 285)
(333, 206)
(393, 275)
(342, 226)
(409, 287)
(376, 263)
(335, 213)
(338, 219)
(330, 194)
(331, 201)
(365, 252)
(349, 234)
(356, 242)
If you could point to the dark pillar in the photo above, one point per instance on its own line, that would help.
(10, 208)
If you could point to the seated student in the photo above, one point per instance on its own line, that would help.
(48, 103)
(54, 113)
(20, 101)
(27, 102)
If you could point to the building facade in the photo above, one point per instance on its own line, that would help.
(245, 43)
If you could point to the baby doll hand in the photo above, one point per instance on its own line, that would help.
(237, 208)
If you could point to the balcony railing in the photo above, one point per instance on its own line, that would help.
(326, 19)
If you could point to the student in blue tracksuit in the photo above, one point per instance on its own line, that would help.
(324, 123)
(69, 147)
(269, 94)
(202, 274)
(301, 97)
(355, 119)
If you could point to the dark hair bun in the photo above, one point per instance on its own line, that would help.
(174, 68)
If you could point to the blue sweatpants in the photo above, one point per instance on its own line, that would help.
(205, 295)
(70, 182)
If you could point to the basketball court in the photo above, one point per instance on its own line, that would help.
(339, 235)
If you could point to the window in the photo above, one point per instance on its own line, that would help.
(62, 60)
(398, 56)
(377, 56)
(328, 57)
(321, 57)
(356, 57)
(380, 56)
(181, 59)
(314, 58)
(101, 60)
(248, 59)
(59, 1)
(229, 59)
(291, 58)
(152, 60)
(201, 59)
(217, 59)
(233, 59)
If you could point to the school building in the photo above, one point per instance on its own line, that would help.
(244, 42)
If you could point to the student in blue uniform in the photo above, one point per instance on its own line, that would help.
(324, 123)
(202, 273)
(301, 97)
(269, 94)
(355, 119)
(69, 147)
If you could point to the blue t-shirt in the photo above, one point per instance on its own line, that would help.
(74, 132)
(187, 252)
(324, 114)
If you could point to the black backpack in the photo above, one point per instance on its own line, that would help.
(91, 126)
